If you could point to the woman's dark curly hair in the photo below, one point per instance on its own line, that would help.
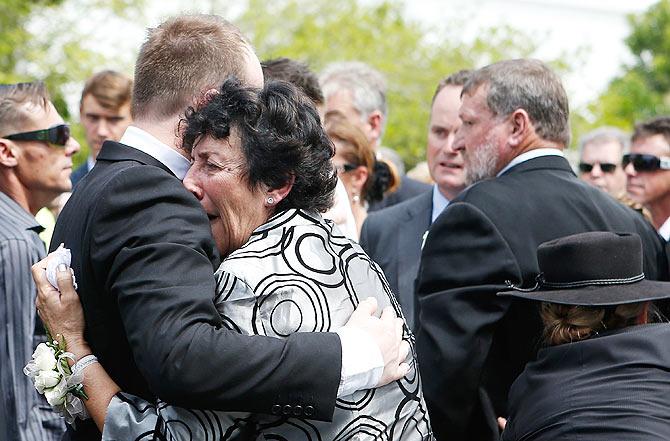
(282, 139)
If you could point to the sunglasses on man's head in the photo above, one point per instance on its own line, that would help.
(643, 162)
(57, 135)
(606, 167)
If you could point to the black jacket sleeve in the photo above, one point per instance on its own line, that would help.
(464, 263)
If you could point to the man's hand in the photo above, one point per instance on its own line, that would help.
(386, 332)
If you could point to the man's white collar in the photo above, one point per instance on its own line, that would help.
(532, 154)
(147, 143)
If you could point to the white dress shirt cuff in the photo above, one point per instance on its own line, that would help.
(362, 362)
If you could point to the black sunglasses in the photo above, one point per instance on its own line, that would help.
(345, 167)
(642, 162)
(606, 167)
(57, 135)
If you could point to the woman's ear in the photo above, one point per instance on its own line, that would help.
(276, 195)
(358, 178)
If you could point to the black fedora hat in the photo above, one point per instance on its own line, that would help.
(592, 269)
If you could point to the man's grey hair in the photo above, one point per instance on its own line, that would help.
(529, 85)
(603, 135)
(13, 114)
(367, 86)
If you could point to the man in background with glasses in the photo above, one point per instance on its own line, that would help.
(600, 153)
(647, 170)
(35, 166)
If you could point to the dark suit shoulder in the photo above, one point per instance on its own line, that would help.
(392, 213)
(79, 173)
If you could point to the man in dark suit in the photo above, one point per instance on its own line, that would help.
(144, 260)
(104, 112)
(359, 92)
(392, 237)
(472, 344)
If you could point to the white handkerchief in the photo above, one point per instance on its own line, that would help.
(61, 255)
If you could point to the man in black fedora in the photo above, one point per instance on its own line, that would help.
(472, 344)
(603, 374)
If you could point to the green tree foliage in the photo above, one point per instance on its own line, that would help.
(49, 40)
(643, 90)
(413, 57)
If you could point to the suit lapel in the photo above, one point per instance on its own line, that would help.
(415, 224)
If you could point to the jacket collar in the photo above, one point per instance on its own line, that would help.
(540, 163)
(115, 151)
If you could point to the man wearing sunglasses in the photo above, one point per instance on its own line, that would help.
(35, 166)
(600, 154)
(647, 170)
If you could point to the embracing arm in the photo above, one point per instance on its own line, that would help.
(158, 250)
(464, 262)
(157, 247)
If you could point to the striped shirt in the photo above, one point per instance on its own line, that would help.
(24, 414)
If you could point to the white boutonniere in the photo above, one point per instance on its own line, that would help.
(52, 376)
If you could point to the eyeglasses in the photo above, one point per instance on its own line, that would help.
(343, 168)
(606, 167)
(642, 162)
(57, 135)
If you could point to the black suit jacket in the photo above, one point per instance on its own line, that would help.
(472, 344)
(408, 189)
(613, 386)
(79, 173)
(392, 237)
(144, 260)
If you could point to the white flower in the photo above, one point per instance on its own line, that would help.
(31, 369)
(46, 380)
(44, 357)
(56, 395)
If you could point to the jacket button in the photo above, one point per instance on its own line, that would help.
(297, 410)
(287, 409)
(309, 410)
(276, 409)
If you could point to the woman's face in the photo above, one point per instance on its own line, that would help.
(351, 177)
(216, 178)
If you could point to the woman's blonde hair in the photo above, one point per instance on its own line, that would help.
(568, 323)
(383, 178)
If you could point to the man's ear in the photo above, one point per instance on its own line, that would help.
(205, 97)
(8, 153)
(376, 122)
(520, 126)
(278, 194)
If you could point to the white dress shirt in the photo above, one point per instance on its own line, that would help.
(664, 231)
(362, 361)
(439, 203)
(532, 154)
(145, 142)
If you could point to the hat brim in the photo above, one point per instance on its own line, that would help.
(598, 295)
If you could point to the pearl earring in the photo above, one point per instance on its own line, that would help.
(355, 199)
(270, 200)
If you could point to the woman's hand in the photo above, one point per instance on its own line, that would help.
(61, 312)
